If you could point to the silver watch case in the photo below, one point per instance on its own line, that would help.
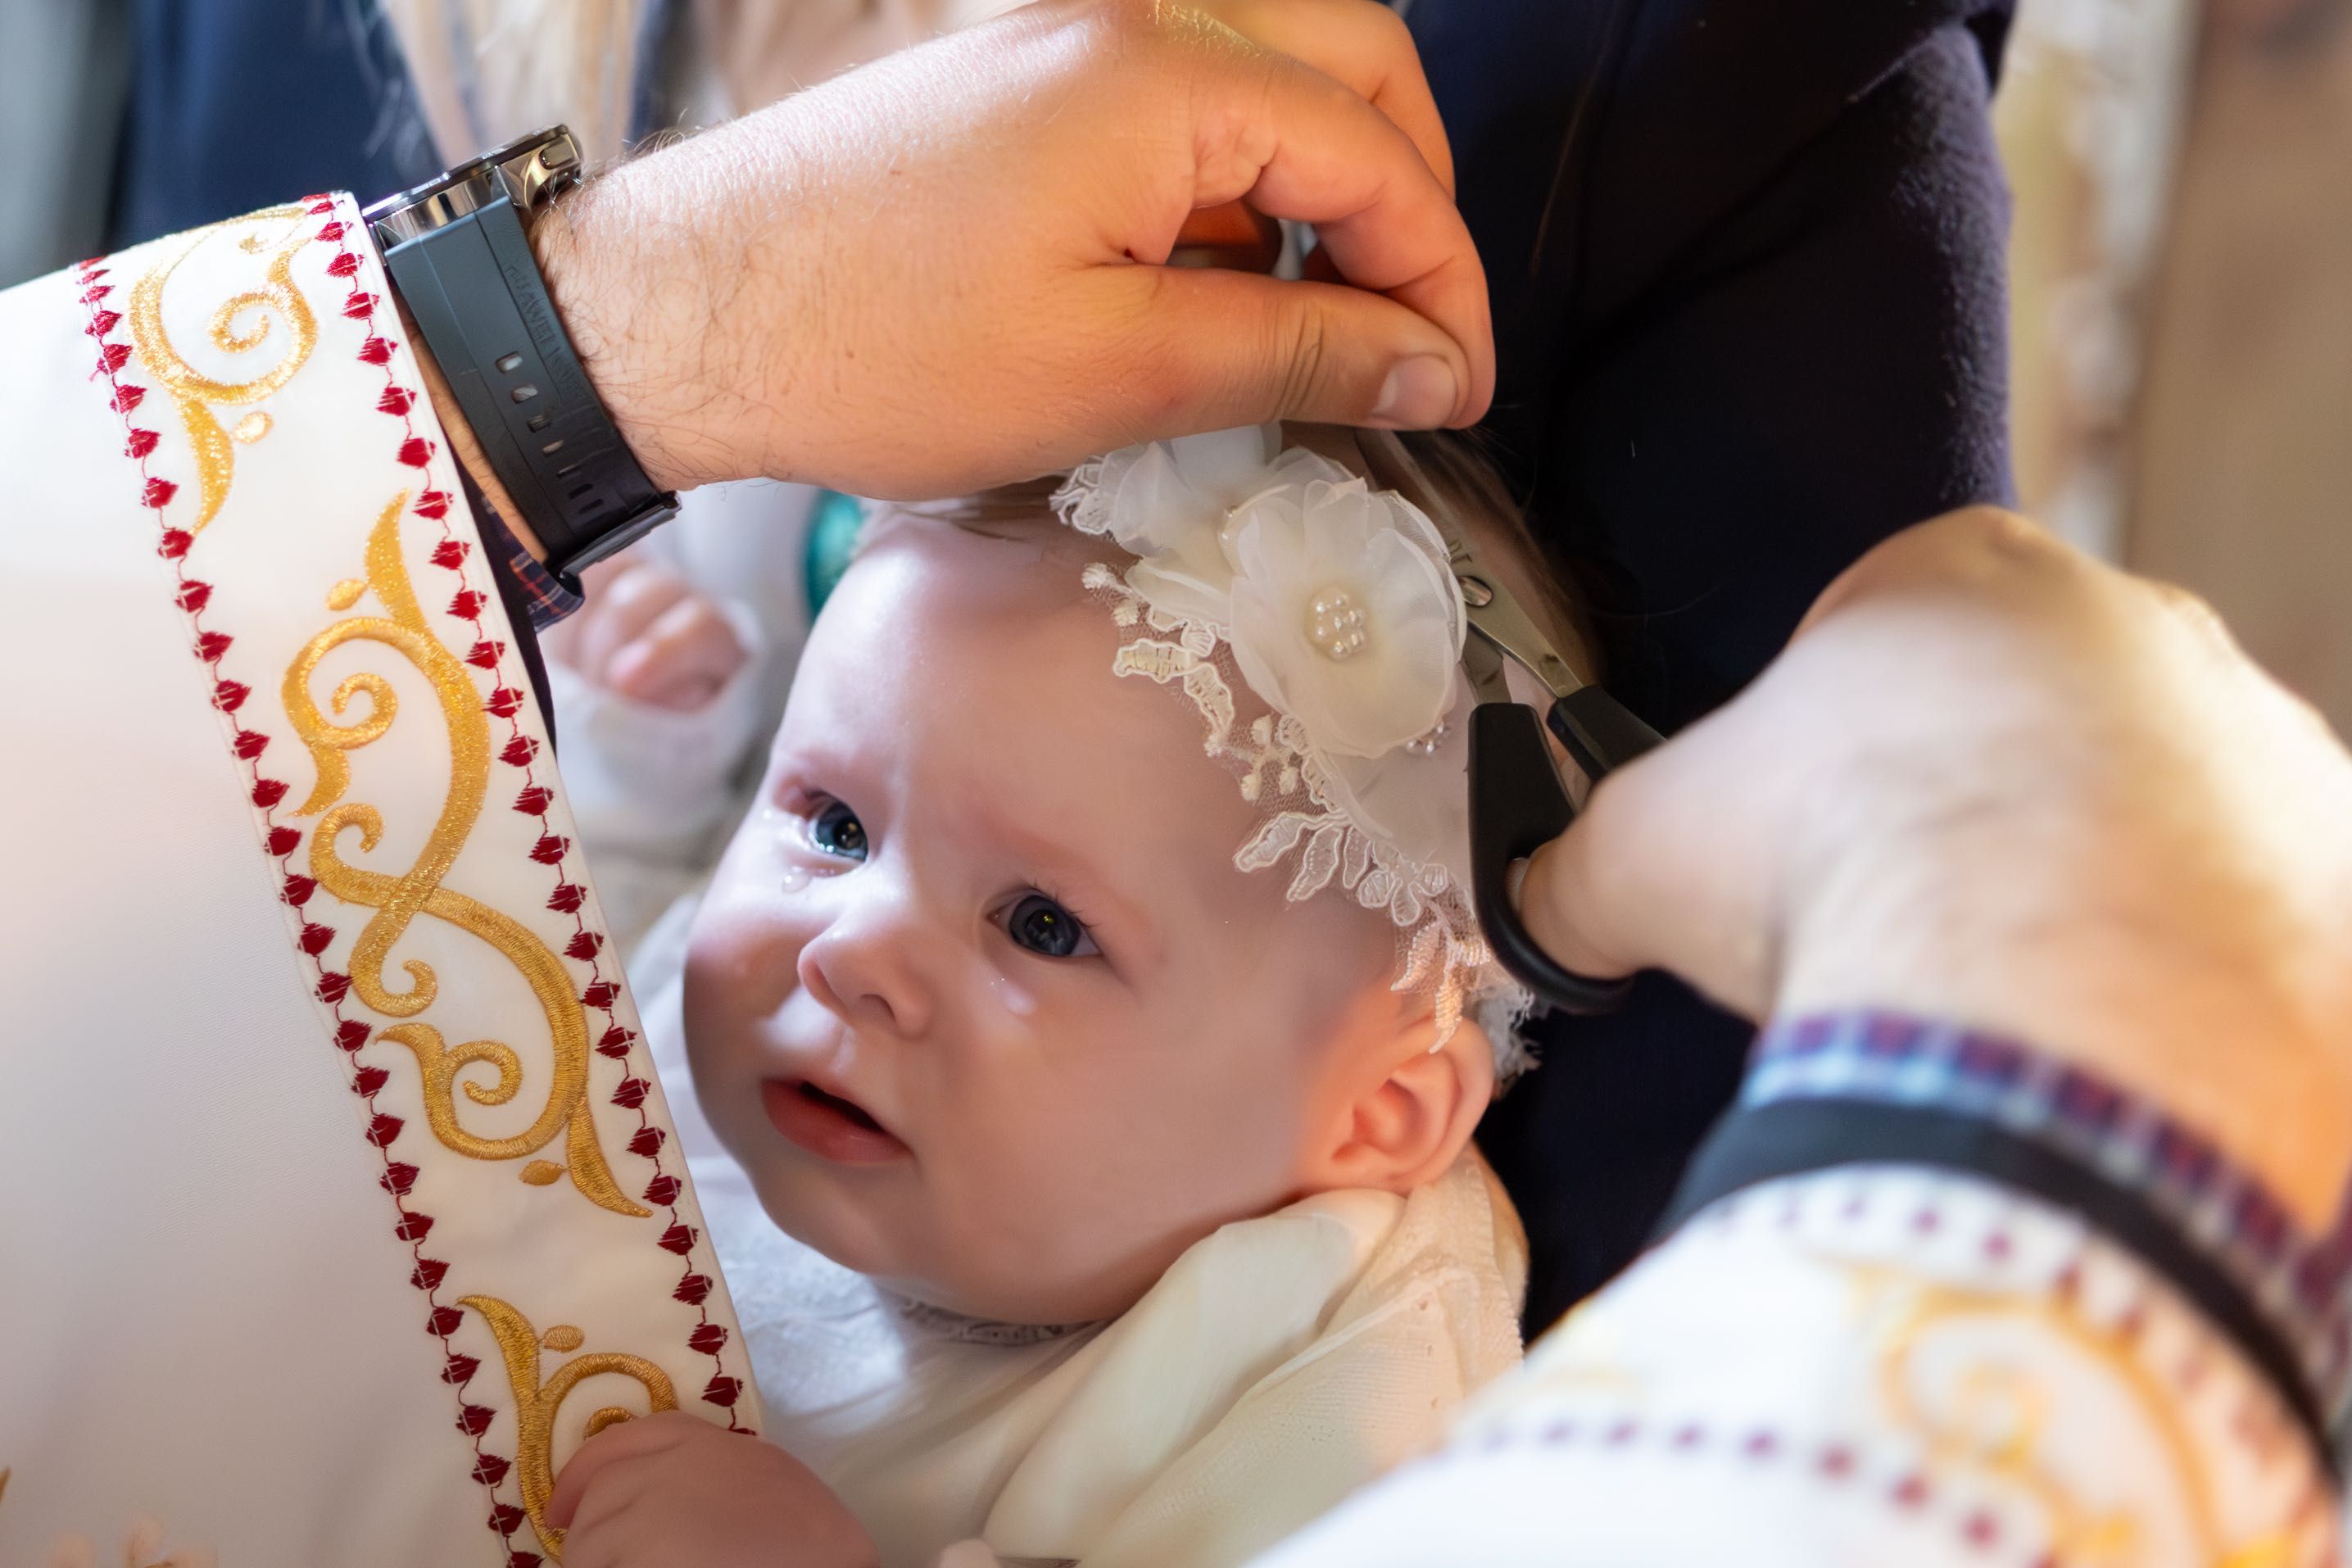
(531, 170)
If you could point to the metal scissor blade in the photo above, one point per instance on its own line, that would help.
(1499, 629)
(1482, 661)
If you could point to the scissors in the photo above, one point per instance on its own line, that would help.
(1518, 802)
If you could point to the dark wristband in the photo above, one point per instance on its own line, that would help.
(1758, 1143)
(475, 291)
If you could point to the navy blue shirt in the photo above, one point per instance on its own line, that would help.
(239, 104)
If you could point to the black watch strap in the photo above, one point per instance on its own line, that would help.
(475, 291)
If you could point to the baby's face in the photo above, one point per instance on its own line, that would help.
(978, 998)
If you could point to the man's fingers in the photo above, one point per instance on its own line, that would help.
(1360, 43)
(1237, 348)
(1301, 145)
(1664, 869)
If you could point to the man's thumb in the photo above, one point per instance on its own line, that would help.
(1663, 870)
(1241, 349)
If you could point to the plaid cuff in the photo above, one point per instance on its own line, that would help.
(547, 596)
(2297, 1282)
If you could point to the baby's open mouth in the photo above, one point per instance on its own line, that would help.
(849, 1108)
(825, 1124)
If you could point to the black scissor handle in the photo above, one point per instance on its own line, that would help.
(1518, 805)
(1600, 732)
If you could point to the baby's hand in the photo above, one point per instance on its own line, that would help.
(648, 634)
(671, 1491)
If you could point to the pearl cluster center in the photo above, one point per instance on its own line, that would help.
(1335, 624)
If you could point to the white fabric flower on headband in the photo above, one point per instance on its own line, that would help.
(1335, 598)
(1334, 604)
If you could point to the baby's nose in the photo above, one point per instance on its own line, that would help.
(865, 967)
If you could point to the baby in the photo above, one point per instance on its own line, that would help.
(1097, 1181)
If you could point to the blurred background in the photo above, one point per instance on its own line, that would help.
(2181, 304)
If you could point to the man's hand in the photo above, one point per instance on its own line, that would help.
(940, 271)
(1993, 781)
(671, 1491)
(649, 635)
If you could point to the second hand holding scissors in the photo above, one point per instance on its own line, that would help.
(1518, 802)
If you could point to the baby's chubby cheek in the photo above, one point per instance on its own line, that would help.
(740, 967)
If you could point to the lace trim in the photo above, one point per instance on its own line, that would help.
(942, 1324)
(1441, 947)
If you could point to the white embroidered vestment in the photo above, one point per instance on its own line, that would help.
(342, 1201)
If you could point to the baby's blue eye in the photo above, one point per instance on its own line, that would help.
(1045, 928)
(837, 831)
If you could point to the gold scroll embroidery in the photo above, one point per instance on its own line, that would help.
(1997, 1417)
(536, 1402)
(195, 393)
(418, 890)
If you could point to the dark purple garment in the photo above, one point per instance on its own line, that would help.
(1747, 263)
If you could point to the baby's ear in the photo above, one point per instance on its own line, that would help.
(1405, 1108)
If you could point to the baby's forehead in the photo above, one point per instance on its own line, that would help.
(991, 639)
(1017, 591)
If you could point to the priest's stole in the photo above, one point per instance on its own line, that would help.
(341, 1204)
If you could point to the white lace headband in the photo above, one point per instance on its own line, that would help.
(1333, 602)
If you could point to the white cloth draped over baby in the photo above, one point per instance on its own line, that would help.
(1279, 1365)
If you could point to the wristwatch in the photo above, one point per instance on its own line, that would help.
(459, 257)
